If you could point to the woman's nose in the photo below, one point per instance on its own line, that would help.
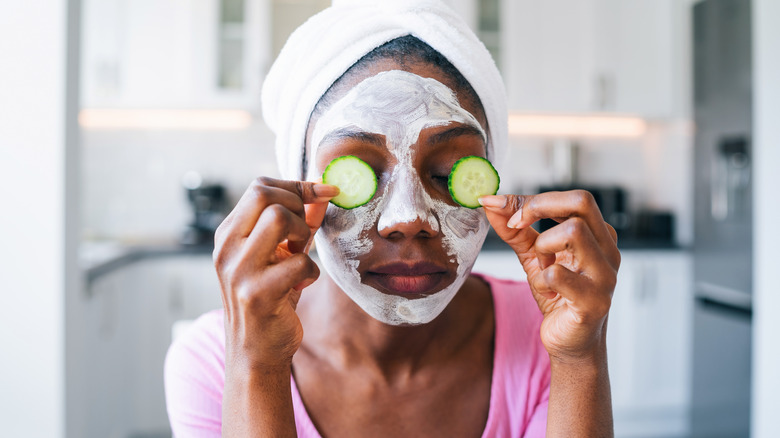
(408, 212)
(409, 228)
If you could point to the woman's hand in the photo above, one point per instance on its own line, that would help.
(262, 263)
(572, 267)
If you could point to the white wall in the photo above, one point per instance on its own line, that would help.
(766, 289)
(131, 179)
(36, 117)
(655, 169)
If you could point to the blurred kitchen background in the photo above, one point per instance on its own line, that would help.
(128, 128)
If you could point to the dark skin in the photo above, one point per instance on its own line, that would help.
(361, 377)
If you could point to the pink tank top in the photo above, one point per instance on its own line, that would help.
(195, 373)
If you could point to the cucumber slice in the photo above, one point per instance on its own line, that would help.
(470, 178)
(354, 177)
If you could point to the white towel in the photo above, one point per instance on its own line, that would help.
(329, 43)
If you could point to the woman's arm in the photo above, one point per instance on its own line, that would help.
(257, 402)
(580, 402)
(572, 270)
(262, 267)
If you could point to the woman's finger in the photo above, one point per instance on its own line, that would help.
(498, 210)
(275, 225)
(612, 233)
(576, 288)
(315, 214)
(270, 286)
(267, 191)
(522, 211)
(565, 204)
(550, 282)
(309, 191)
(575, 237)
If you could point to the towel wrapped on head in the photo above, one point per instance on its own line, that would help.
(329, 43)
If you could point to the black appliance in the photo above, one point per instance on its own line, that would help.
(208, 203)
(612, 202)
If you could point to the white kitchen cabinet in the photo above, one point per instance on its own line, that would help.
(129, 314)
(547, 54)
(641, 57)
(649, 344)
(108, 364)
(174, 54)
(501, 264)
(595, 55)
(193, 287)
(166, 290)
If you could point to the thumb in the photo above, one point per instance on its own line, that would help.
(315, 212)
(314, 215)
(501, 210)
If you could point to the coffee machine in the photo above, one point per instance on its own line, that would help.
(208, 202)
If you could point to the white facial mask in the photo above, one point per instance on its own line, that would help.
(398, 105)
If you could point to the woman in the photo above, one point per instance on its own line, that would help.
(400, 338)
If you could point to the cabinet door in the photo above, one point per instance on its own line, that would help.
(157, 293)
(499, 264)
(127, 321)
(547, 54)
(195, 288)
(596, 55)
(106, 401)
(664, 311)
(149, 292)
(648, 341)
(639, 57)
(174, 54)
(622, 336)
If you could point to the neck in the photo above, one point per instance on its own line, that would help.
(339, 331)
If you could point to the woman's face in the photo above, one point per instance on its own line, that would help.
(404, 255)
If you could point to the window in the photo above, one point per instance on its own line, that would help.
(231, 44)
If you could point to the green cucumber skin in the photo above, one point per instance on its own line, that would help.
(449, 180)
(349, 157)
(455, 166)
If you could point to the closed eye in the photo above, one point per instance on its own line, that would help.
(441, 179)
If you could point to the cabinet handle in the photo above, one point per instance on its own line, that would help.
(605, 92)
(601, 85)
(641, 283)
(175, 296)
(648, 282)
(652, 282)
(108, 319)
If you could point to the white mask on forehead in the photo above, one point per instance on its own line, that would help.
(398, 105)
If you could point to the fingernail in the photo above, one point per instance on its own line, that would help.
(515, 220)
(492, 201)
(325, 190)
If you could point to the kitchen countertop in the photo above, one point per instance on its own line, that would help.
(99, 258)
(494, 243)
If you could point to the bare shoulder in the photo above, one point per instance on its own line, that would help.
(474, 303)
(478, 291)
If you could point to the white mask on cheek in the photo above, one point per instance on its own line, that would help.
(398, 105)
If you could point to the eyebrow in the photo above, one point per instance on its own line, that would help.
(457, 131)
(353, 134)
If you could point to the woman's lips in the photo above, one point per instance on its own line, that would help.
(408, 284)
(403, 278)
